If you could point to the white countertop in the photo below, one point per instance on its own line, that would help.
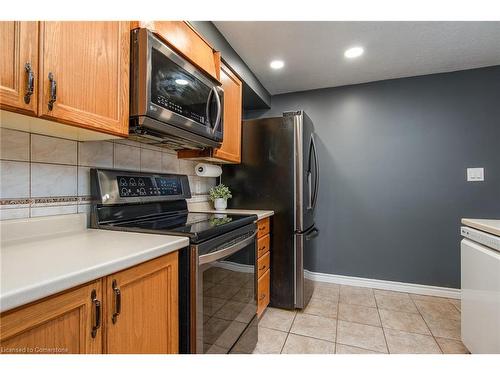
(46, 255)
(261, 214)
(486, 225)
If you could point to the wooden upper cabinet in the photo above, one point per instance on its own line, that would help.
(142, 308)
(84, 74)
(19, 66)
(230, 151)
(231, 146)
(185, 39)
(64, 323)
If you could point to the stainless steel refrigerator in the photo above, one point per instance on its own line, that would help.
(280, 171)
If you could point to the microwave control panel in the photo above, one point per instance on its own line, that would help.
(140, 186)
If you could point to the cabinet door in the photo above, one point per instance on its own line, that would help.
(231, 146)
(65, 323)
(84, 69)
(185, 39)
(19, 66)
(142, 308)
(263, 292)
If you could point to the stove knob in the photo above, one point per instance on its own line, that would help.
(124, 191)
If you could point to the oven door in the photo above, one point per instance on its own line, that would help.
(167, 88)
(226, 302)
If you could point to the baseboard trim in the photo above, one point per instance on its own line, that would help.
(428, 290)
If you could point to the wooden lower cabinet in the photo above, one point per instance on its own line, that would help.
(263, 292)
(84, 320)
(146, 300)
(59, 324)
(263, 264)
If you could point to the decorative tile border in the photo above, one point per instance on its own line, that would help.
(18, 202)
(52, 201)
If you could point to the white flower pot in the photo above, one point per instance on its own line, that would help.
(220, 204)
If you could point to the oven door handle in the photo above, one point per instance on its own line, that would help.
(225, 252)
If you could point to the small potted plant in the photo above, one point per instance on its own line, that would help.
(219, 195)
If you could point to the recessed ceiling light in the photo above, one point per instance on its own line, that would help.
(277, 64)
(181, 82)
(353, 52)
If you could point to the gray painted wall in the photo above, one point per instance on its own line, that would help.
(255, 95)
(393, 160)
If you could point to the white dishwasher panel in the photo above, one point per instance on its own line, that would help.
(480, 297)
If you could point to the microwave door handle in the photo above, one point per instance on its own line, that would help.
(207, 108)
(219, 110)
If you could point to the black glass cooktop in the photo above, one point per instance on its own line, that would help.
(197, 226)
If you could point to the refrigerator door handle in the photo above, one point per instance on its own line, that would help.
(316, 164)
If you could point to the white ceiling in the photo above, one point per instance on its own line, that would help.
(314, 51)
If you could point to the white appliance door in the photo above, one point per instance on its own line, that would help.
(480, 297)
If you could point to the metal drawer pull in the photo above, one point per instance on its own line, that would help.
(262, 248)
(262, 268)
(118, 302)
(97, 313)
(53, 91)
(31, 83)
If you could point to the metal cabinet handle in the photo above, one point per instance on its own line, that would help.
(262, 248)
(262, 296)
(262, 268)
(97, 313)
(31, 83)
(118, 302)
(53, 91)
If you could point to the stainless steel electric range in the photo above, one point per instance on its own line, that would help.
(217, 278)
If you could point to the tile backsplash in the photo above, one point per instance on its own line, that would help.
(42, 175)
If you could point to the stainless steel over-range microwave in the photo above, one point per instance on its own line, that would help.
(172, 102)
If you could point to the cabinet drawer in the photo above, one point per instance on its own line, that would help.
(263, 287)
(263, 226)
(263, 245)
(263, 264)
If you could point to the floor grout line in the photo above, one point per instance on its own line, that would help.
(288, 333)
(429, 328)
(337, 324)
(381, 324)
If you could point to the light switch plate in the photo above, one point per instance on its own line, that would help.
(475, 174)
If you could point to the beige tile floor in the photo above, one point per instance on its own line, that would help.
(352, 320)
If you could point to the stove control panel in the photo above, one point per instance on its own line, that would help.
(145, 186)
